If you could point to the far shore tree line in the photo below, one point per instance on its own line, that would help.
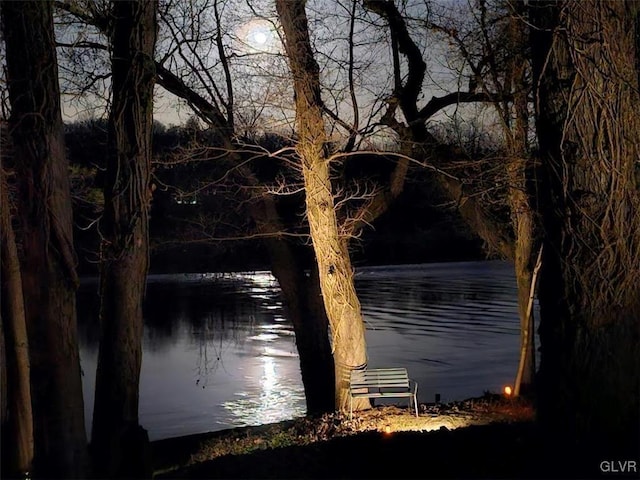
(196, 223)
(558, 191)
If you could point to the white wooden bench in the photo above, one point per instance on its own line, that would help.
(382, 383)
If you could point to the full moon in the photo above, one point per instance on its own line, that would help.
(257, 36)
(260, 38)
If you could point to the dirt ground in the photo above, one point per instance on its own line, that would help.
(492, 437)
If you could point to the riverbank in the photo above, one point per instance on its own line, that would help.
(491, 437)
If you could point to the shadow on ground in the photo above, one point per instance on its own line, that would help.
(500, 450)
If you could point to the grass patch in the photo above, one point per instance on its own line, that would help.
(175, 453)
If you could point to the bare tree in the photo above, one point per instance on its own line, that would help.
(497, 75)
(494, 54)
(117, 439)
(49, 278)
(588, 130)
(331, 248)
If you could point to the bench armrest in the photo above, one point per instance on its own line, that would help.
(415, 386)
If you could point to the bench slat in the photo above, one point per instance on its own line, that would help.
(379, 377)
(379, 387)
(381, 372)
(382, 394)
(362, 378)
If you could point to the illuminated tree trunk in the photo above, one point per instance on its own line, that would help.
(119, 444)
(523, 225)
(18, 431)
(332, 256)
(49, 279)
(589, 136)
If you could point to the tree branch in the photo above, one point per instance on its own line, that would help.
(438, 103)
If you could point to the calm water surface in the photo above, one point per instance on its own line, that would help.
(218, 352)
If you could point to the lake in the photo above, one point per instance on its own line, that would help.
(218, 352)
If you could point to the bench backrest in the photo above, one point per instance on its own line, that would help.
(379, 378)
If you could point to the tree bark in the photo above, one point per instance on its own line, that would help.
(332, 256)
(49, 279)
(522, 218)
(14, 329)
(589, 137)
(119, 444)
(303, 306)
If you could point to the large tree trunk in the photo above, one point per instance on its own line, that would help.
(19, 432)
(303, 306)
(119, 444)
(332, 256)
(589, 136)
(48, 265)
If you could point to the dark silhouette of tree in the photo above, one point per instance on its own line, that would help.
(588, 128)
(119, 444)
(49, 279)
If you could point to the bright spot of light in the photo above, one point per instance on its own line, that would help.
(269, 376)
(387, 429)
(257, 36)
(260, 38)
(508, 391)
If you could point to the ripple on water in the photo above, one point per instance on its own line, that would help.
(220, 353)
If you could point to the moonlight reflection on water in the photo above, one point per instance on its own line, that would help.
(218, 352)
(277, 398)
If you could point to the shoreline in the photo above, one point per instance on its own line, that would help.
(487, 437)
(174, 455)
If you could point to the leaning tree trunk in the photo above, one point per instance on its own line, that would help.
(301, 294)
(332, 256)
(119, 444)
(49, 278)
(589, 136)
(304, 307)
(19, 431)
